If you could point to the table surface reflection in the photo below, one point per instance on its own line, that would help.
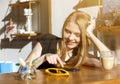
(86, 75)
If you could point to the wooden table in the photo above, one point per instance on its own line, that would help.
(86, 75)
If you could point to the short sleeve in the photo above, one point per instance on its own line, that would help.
(49, 43)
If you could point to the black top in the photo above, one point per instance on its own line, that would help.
(49, 45)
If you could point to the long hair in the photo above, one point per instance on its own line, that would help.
(82, 20)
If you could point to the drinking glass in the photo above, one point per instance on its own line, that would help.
(108, 60)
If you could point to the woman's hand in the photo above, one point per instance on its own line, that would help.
(93, 62)
(54, 59)
(91, 26)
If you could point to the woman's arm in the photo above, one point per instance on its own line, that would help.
(35, 53)
(94, 39)
(93, 61)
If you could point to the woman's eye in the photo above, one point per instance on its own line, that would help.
(67, 31)
(77, 35)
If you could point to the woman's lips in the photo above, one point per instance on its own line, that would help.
(70, 43)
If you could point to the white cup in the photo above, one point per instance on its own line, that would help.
(108, 60)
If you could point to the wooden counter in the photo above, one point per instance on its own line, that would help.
(112, 30)
(86, 75)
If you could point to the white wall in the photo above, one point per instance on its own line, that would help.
(60, 10)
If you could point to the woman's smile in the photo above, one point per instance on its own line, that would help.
(71, 44)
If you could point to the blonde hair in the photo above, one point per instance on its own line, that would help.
(82, 20)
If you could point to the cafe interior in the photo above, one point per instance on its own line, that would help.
(23, 21)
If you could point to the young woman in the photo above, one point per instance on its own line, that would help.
(72, 49)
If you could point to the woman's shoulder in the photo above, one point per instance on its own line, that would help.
(48, 43)
(49, 37)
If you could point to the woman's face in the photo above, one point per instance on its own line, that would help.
(72, 35)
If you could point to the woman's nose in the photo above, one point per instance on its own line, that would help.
(71, 36)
